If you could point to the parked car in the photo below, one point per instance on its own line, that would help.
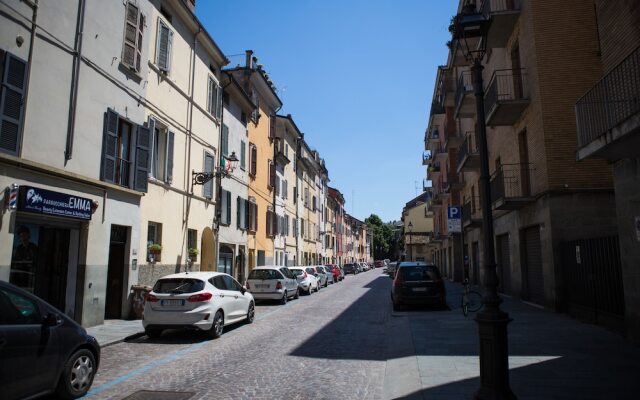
(391, 269)
(418, 283)
(307, 282)
(321, 277)
(330, 279)
(206, 301)
(335, 270)
(365, 266)
(379, 263)
(272, 283)
(41, 349)
(350, 269)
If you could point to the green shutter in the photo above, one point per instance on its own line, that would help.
(243, 154)
(109, 146)
(225, 140)
(141, 161)
(228, 194)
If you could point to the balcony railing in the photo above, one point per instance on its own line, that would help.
(468, 156)
(427, 157)
(464, 91)
(511, 186)
(471, 212)
(437, 108)
(507, 96)
(122, 172)
(503, 15)
(614, 99)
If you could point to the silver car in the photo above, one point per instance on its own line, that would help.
(272, 283)
(391, 269)
(328, 272)
(320, 275)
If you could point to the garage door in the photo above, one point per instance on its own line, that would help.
(504, 263)
(532, 263)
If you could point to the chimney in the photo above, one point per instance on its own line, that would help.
(191, 4)
(249, 59)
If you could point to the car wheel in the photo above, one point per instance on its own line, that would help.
(77, 375)
(326, 283)
(251, 313)
(284, 298)
(317, 287)
(217, 327)
(297, 296)
(153, 333)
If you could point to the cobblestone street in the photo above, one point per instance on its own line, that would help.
(327, 345)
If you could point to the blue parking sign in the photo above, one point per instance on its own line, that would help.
(454, 219)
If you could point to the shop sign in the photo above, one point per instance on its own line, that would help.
(47, 202)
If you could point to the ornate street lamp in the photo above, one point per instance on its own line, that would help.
(226, 167)
(469, 29)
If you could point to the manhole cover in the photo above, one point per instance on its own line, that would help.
(157, 395)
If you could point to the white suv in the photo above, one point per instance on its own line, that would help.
(272, 283)
(203, 300)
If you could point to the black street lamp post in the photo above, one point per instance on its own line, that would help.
(492, 321)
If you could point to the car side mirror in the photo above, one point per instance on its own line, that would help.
(243, 290)
(50, 320)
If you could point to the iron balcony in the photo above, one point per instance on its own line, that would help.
(511, 187)
(468, 155)
(502, 16)
(507, 96)
(465, 102)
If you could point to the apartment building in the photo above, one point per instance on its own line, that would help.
(288, 135)
(262, 164)
(535, 68)
(335, 201)
(417, 226)
(321, 200)
(184, 117)
(608, 120)
(307, 212)
(73, 169)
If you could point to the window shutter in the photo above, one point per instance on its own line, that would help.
(295, 194)
(245, 211)
(168, 176)
(13, 81)
(228, 195)
(272, 126)
(132, 46)
(268, 223)
(225, 140)
(110, 146)
(238, 212)
(210, 95)
(243, 154)
(207, 188)
(277, 186)
(163, 46)
(223, 206)
(272, 174)
(141, 162)
(254, 160)
(218, 108)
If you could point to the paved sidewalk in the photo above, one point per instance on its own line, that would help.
(116, 330)
(552, 356)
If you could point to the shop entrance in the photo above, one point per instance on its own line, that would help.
(40, 262)
(115, 272)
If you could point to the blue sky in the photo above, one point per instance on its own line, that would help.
(356, 75)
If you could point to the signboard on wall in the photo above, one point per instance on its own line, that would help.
(454, 219)
(47, 202)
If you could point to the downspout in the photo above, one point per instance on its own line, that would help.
(75, 78)
(189, 128)
(34, 17)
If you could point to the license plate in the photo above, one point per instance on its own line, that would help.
(262, 286)
(172, 302)
(419, 289)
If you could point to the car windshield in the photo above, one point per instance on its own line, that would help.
(264, 274)
(178, 285)
(296, 272)
(420, 273)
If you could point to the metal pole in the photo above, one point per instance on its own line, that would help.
(492, 322)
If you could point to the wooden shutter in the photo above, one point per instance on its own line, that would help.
(272, 126)
(224, 145)
(210, 96)
(254, 159)
(168, 176)
(295, 194)
(272, 174)
(223, 206)
(133, 28)
(277, 185)
(141, 162)
(163, 46)
(13, 82)
(228, 195)
(218, 109)
(109, 146)
(238, 213)
(269, 221)
(243, 155)
(245, 209)
(207, 188)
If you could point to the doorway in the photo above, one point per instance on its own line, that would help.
(115, 272)
(225, 260)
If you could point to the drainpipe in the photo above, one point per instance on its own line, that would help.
(75, 77)
(34, 6)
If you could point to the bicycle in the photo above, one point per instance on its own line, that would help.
(471, 299)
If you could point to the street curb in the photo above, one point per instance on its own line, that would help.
(130, 337)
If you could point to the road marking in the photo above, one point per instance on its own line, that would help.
(173, 356)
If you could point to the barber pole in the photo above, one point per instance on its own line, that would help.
(13, 197)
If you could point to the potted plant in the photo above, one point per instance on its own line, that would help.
(155, 248)
(193, 252)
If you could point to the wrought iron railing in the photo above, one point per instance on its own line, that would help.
(471, 209)
(506, 85)
(468, 147)
(464, 86)
(437, 107)
(489, 6)
(511, 181)
(611, 101)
